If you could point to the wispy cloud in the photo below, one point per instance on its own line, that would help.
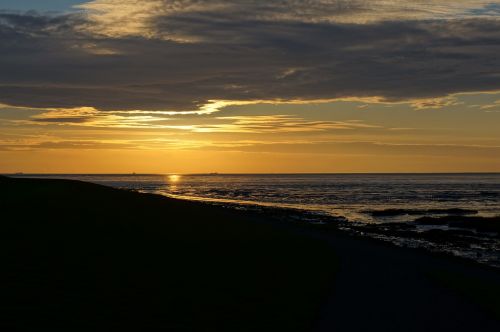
(277, 123)
(435, 103)
(494, 105)
(90, 117)
(118, 18)
(377, 149)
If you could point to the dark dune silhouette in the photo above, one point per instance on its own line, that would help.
(80, 256)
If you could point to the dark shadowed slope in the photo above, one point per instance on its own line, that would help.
(78, 255)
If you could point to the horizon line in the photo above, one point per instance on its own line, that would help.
(255, 173)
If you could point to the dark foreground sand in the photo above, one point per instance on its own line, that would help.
(78, 256)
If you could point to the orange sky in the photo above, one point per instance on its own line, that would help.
(317, 137)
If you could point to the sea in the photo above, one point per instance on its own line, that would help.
(354, 201)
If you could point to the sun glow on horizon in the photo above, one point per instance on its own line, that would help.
(174, 178)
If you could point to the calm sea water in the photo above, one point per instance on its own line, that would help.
(347, 195)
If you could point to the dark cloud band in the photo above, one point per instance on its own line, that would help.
(50, 61)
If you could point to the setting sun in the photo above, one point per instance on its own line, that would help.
(174, 178)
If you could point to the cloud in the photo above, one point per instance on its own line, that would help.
(273, 124)
(374, 148)
(199, 56)
(283, 146)
(63, 144)
(495, 104)
(91, 117)
(118, 18)
(435, 103)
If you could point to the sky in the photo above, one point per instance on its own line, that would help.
(247, 86)
(40, 5)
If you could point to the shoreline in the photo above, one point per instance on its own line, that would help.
(334, 277)
(439, 231)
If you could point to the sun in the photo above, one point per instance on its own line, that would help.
(174, 178)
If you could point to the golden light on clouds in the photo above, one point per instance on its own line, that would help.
(337, 137)
(118, 18)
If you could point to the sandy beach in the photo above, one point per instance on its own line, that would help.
(80, 256)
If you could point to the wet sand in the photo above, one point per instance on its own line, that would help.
(79, 256)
